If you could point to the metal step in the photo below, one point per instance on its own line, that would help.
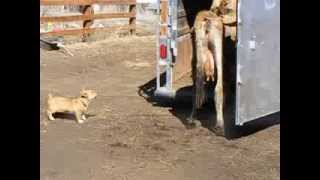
(165, 93)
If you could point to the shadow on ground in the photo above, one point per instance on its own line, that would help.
(181, 108)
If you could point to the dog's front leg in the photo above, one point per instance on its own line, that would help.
(50, 116)
(79, 117)
(84, 117)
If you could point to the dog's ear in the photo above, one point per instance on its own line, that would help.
(84, 94)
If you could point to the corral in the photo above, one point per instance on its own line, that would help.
(129, 136)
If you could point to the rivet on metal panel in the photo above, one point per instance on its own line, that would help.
(252, 45)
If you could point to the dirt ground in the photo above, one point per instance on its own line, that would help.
(128, 138)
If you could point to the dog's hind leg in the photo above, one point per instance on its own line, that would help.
(50, 116)
(84, 117)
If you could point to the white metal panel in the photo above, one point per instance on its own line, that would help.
(258, 59)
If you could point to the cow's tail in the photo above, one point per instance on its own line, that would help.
(200, 93)
(199, 87)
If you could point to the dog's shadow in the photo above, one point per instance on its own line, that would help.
(69, 116)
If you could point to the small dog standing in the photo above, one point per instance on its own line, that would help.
(78, 105)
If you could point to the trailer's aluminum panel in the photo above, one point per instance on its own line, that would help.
(258, 59)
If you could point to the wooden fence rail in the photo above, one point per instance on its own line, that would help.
(88, 16)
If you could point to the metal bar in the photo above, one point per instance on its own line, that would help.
(163, 16)
(164, 37)
(174, 27)
(158, 47)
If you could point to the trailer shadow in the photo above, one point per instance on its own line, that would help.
(182, 105)
(147, 92)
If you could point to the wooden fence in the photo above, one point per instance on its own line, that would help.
(88, 16)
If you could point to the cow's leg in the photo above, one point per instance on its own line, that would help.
(199, 80)
(216, 42)
(191, 119)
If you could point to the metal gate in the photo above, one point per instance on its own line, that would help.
(166, 46)
(174, 46)
(258, 59)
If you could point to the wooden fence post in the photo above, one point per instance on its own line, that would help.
(87, 11)
(132, 20)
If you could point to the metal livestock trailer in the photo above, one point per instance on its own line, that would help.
(257, 59)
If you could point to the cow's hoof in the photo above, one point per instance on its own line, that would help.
(219, 131)
(189, 120)
(196, 123)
